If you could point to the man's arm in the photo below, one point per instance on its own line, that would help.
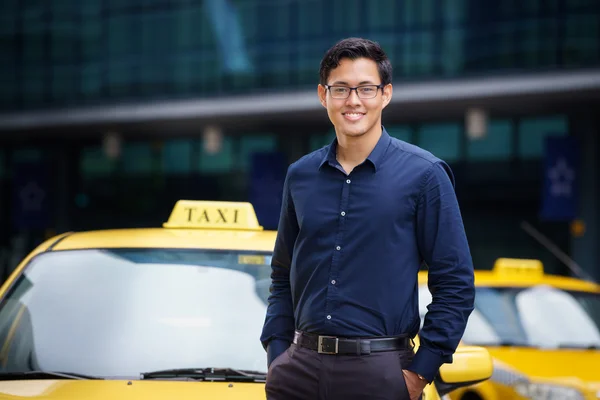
(278, 330)
(443, 245)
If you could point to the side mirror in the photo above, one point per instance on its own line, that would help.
(470, 365)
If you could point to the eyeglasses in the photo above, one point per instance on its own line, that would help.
(363, 92)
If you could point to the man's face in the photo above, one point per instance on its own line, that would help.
(355, 116)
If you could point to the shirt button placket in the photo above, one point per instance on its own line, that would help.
(339, 240)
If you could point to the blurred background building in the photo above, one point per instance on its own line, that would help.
(111, 110)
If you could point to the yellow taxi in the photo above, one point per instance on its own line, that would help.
(543, 332)
(168, 313)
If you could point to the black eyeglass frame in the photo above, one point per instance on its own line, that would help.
(380, 86)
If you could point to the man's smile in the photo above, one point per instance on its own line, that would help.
(353, 116)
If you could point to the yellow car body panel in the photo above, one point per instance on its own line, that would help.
(488, 391)
(139, 390)
(130, 390)
(583, 364)
(489, 278)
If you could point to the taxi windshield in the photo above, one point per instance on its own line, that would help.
(538, 316)
(121, 312)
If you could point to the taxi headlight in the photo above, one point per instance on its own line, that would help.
(542, 391)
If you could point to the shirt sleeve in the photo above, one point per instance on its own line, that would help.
(278, 329)
(444, 248)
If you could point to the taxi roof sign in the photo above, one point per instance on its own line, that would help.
(518, 267)
(193, 214)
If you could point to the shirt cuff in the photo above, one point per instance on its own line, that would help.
(275, 348)
(426, 363)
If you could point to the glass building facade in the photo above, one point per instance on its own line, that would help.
(64, 54)
(58, 53)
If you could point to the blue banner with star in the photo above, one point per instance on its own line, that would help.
(560, 196)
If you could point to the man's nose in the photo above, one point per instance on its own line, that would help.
(353, 98)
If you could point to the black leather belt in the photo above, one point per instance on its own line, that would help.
(338, 345)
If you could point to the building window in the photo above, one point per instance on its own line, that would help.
(497, 144)
(137, 158)
(220, 161)
(319, 140)
(177, 156)
(253, 143)
(443, 140)
(382, 14)
(346, 18)
(533, 131)
(28, 155)
(95, 163)
(401, 132)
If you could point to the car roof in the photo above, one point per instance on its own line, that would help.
(167, 238)
(521, 273)
(490, 278)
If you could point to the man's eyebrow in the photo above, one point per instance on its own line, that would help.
(346, 83)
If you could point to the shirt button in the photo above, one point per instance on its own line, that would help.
(348, 181)
(329, 317)
(338, 248)
(333, 282)
(343, 213)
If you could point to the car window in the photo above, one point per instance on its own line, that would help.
(554, 318)
(539, 316)
(478, 329)
(591, 304)
(122, 312)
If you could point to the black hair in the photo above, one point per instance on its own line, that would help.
(354, 48)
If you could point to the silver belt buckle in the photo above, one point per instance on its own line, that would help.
(320, 349)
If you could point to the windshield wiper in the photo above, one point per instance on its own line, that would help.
(207, 374)
(502, 343)
(27, 375)
(578, 346)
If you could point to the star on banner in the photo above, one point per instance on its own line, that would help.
(561, 179)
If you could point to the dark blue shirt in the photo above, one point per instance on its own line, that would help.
(349, 248)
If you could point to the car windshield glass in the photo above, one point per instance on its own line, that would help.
(538, 316)
(116, 313)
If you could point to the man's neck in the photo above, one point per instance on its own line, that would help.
(351, 151)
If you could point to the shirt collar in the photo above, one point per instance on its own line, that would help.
(376, 157)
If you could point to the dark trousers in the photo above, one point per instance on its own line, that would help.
(303, 374)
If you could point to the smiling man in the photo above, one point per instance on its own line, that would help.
(359, 217)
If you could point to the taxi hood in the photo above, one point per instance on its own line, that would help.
(129, 390)
(551, 363)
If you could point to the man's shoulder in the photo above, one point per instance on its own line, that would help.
(420, 159)
(415, 153)
(309, 162)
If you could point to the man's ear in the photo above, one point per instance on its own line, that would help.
(322, 95)
(387, 94)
